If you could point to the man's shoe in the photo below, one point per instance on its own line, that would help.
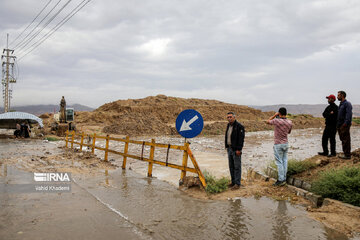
(282, 183)
(230, 185)
(322, 154)
(277, 183)
(332, 155)
(235, 187)
(345, 157)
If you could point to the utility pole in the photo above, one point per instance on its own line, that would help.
(8, 78)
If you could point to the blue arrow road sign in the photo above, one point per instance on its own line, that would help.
(189, 123)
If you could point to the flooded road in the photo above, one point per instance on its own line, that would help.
(122, 203)
(212, 157)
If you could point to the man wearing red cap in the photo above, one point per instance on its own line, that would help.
(330, 114)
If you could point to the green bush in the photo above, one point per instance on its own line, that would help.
(295, 167)
(356, 120)
(342, 184)
(214, 185)
(52, 139)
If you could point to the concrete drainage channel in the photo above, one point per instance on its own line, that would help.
(300, 187)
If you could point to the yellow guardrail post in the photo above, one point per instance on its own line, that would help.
(93, 144)
(152, 151)
(106, 148)
(126, 148)
(196, 166)
(151, 160)
(82, 141)
(72, 139)
(184, 161)
(67, 138)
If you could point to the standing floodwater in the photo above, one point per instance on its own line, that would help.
(164, 212)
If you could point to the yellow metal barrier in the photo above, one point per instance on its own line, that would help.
(70, 138)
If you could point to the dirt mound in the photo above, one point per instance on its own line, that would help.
(45, 115)
(156, 115)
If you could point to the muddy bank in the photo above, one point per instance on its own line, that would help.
(251, 188)
(323, 164)
(337, 215)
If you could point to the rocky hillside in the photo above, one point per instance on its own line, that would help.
(41, 109)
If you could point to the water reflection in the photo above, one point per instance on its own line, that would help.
(155, 206)
(236, 227)
(107, 177)
(281, 222)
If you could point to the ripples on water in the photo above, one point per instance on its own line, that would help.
(163, 212)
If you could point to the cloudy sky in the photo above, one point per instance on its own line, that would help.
(250, 52)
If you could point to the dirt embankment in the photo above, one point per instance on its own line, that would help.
(324, 163)
(156, 115)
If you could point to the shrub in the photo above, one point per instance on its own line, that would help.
(52, 139)
(295, 167)
(341, 184)
(214, 185)
(356, 120)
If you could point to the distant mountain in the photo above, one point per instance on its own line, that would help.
(40, 109)
(314, 109)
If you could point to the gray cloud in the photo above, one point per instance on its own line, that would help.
(244, 52)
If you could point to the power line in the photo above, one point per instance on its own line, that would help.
(37, 25)
(31, 22)
(22, 46)
(54, 29)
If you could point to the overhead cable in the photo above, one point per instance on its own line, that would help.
(54, 29)
(31, 22)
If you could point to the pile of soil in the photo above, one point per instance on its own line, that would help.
(156, 115)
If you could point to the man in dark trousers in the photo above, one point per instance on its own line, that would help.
(330, 114)
(234, 142)
(344, 123)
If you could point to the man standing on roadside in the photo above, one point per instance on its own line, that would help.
(234, 142)
(330, 114)
(344, 123)
(283, 127)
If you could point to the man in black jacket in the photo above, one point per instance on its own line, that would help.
(344, 123)
(234, 142)
(330, 114)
